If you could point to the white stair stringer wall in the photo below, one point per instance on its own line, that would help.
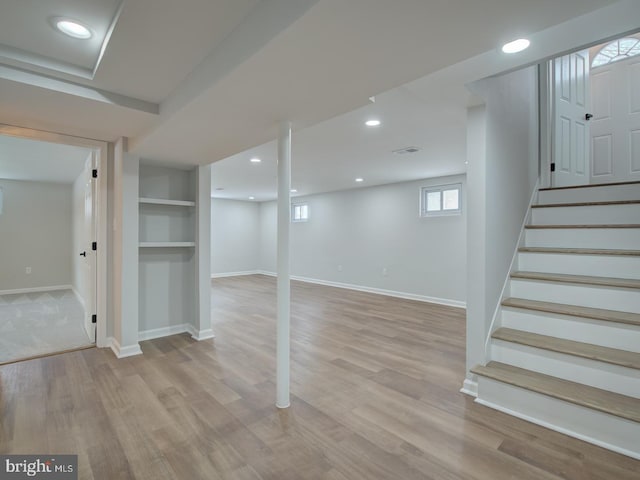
(618, 229)
(495, 321)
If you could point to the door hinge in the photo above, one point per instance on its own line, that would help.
(94, 173)
(94, 318)
(94, 246)
(553, 166)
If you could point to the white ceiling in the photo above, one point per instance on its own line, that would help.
(330, 155)
(197, 81)
(29, 39)
(22, 159)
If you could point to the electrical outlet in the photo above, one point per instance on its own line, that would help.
(339, 268)
(28, 270)
(384, 271)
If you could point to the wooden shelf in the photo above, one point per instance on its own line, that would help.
(162, 201)
(167, 244)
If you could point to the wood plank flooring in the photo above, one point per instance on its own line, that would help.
(375, 385)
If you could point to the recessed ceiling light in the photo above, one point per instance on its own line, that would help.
(252, 198)
(516, 46)
(73, 28)
(255, 160)
(293, 190)
(372, 123)
(359, 179)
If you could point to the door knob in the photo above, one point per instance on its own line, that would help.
(588, 116)
(83, 254)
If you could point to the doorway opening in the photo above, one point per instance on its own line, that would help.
(595, 105)
(48, 231)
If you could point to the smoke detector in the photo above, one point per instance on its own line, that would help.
(406, 150)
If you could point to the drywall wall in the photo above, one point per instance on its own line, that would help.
(36, 232)
(501, 181)
(374, 238)
(235, 236)
(476, 233)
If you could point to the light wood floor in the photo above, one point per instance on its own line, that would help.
(375, 385)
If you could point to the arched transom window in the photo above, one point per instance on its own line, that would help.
(617, 50)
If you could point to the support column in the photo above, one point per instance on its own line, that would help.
(284, 273)
(202, 325)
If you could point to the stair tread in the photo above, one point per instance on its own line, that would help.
(609, 225)
(581, 279)
(595, 398)
(570, 347)
(574, 310)
(591, 185)
(586, 204)
(580, 251)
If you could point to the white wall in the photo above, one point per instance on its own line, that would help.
(36, 232)
(501, 181)
(370, 229)
(235, 236)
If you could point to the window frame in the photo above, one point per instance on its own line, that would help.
(293, 212)
(424, 192)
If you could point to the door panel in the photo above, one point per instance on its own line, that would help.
(571, 131)
(616, 101)
(89, 261)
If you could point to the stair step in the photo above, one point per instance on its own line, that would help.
(568, 226)
(602, 400)
(614, 356)
(591, 185)
(580, 251)
(574, 311)
(586, 204)
(580, 279)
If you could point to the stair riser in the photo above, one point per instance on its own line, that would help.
(589, 215)
(593, 265)
(592, 194)
(605, 334)
(614, 378)
(608, 431)
(623, 299)
(607, 238)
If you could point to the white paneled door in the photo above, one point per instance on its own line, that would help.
(88, 266)
(615, 128)
(571, 129)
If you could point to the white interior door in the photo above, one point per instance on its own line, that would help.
(89, 255)
(615, 129)
(571, 125)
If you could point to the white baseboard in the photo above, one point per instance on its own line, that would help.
(377, 291)
(235, 274)
(176, 330)
(469, 387)
(36, 289)
(163, 332)
(123, 352)
(200, 335)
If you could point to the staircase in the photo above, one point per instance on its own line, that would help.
(566, 351)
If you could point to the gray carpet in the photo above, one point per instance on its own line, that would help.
(40, 323)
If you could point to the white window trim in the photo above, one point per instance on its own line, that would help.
(293, 210)
(424, 191)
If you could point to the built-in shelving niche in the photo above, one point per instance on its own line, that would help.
(167, 233)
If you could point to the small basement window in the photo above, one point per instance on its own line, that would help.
(441, 200)
(300, 212)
